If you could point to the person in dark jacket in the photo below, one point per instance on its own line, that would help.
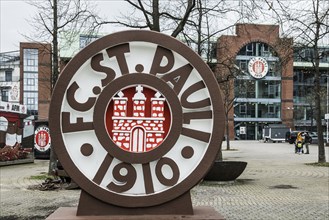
(308, 141)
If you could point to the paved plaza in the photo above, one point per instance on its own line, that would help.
(277, 184)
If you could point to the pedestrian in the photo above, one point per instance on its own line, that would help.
(300, 139)
(308, 141)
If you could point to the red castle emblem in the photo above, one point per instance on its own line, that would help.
(144, 129)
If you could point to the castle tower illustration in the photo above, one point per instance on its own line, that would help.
(139, 102)
(137, 133)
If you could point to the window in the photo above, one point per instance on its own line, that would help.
(213, 53)
(30, 62)
(265, 48)
(30, 101)
(243, 65)
(84, 40)
(249, 49)
(271, 89)
(257, 49)
(4, 95)
(243, 109)
(9, 75)
(30, 82)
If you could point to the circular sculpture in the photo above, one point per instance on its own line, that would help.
(136, 118)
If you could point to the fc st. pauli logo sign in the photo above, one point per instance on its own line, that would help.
(136, 118)
(42, 140)
(258, 67)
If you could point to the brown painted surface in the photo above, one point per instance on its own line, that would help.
(200, 213)
(174, 199)
(89, 205)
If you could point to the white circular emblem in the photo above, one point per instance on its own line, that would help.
(136, 118)
(42, 139)
(258, 67)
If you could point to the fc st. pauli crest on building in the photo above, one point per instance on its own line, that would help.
(258, 67)
(136, 119)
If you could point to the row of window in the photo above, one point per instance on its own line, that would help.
(30, 80)
(260, 91)
(257, 49)
(306, 77)
(257, 88)
(300, 54)
(307, 55)
(257, 110)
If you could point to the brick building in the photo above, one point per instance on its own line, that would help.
(35, 78)
(257, 100)
(267, 80)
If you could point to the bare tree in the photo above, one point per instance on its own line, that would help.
(61, 20)
(226, 83)
(202, 29)
(58, 20)
(161, 16)
(309, 25)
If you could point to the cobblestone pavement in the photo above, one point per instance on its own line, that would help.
(277, 184)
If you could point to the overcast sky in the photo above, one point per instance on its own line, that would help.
(14, 16)
(13, 24)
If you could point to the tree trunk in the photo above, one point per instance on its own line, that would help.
(155, 16)
(53, 156)
(321, 149)
(227, 133)
(321, 153)
(219, 156)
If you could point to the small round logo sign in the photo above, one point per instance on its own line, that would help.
(258, 67)
(136, 118)
(42, 140)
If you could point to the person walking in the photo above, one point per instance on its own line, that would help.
(300, 140)
(308, 141)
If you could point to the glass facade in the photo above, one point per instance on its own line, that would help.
(303, 90)
(304, 101)
(84, 40)
(30, 80)
(257, 101)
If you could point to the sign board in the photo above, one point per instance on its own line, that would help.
(136, 119)
(42, 140)
(12, 107)
(258, 67)
(326, 116)
(242, 130)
